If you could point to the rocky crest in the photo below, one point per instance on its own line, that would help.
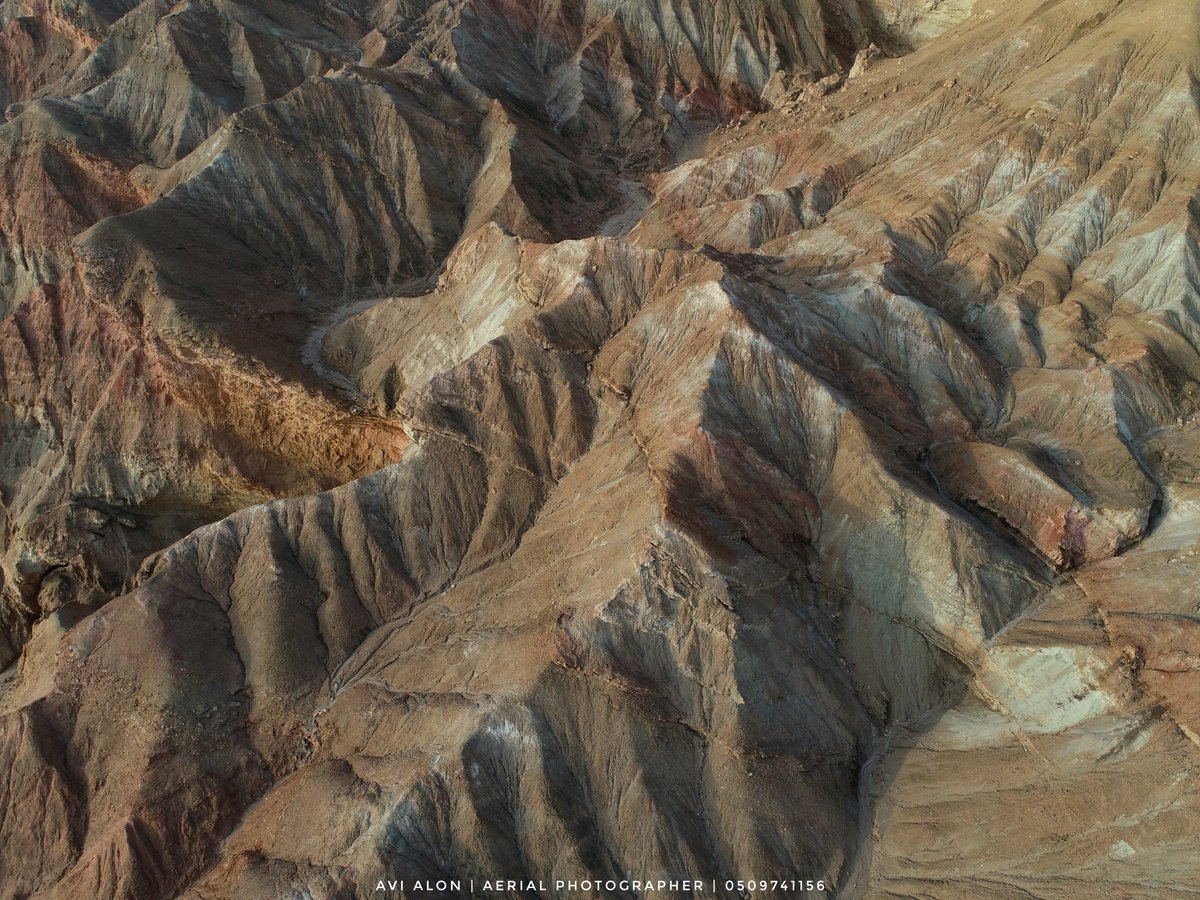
(585, 439)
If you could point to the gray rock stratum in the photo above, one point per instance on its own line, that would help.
(600, 439)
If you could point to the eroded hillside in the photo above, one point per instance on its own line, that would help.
(568, 439)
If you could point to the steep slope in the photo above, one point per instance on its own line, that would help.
(563, 440)
(246, 189)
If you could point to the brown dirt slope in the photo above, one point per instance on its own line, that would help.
(586, 440)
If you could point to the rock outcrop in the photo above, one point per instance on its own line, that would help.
(565, 440)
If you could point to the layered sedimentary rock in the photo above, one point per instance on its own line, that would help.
(563, 440)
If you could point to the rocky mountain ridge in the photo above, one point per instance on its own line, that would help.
(593, 439)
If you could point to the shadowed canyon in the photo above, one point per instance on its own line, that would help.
(600, 441)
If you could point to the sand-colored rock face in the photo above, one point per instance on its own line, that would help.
(580, 440)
